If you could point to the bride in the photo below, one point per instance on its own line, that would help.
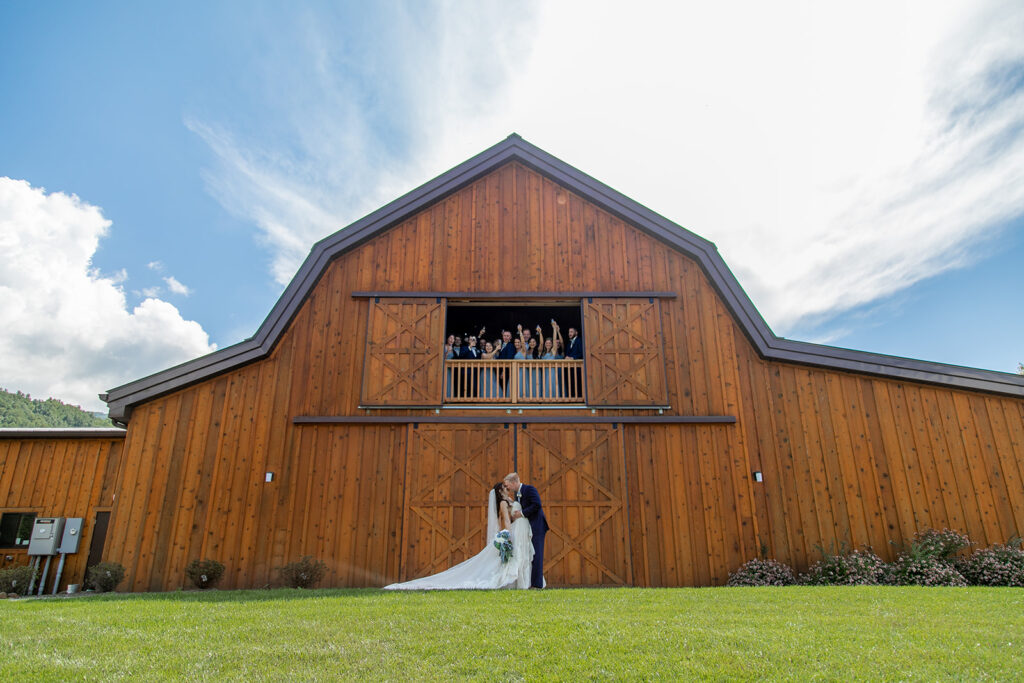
(485, 569)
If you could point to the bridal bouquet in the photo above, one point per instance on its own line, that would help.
(503, 542)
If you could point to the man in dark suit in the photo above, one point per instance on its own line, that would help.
(534, 512)
(471, 352)
(574, 350)
(507, 352)
(508, 349)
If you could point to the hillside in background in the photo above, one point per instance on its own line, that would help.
(21, 410)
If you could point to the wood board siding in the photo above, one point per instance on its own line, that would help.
(59, 478)
(847, 458)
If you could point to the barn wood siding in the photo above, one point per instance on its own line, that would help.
(846, 458)
(59, 478)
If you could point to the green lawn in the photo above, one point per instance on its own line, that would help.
(780, 633)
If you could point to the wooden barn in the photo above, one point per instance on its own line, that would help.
(687, 440)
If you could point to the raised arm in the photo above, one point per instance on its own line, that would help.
(540, 340)
(557, 332)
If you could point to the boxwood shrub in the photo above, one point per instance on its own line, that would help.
(204, 573)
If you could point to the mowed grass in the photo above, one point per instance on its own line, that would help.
(796, 633)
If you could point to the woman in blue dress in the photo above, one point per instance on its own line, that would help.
(489, 381)
(552, 377)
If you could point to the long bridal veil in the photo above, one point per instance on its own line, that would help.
(483, 570)
(492, 518)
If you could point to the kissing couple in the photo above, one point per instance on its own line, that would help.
(515, 518)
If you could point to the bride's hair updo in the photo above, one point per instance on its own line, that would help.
(499, 495)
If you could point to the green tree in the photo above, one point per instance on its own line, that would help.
(21, 410)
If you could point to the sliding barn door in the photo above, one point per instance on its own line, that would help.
(403, 352)
(623, 345)
(449, 471)
(579, 472)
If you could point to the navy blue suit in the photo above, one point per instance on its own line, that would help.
(508, 352)
(575, 348)
(534, 512)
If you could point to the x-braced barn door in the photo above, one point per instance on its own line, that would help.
(625, 359)
(449, 471)
(580, 474)
(403, 352)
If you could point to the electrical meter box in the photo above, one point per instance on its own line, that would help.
(46, 535)
(72, 535)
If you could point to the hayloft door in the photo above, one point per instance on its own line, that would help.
(449, 471)
(625, 359)
(403, 352)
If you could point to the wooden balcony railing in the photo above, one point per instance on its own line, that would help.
(513, 381)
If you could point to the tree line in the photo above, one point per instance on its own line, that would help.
(21, 410)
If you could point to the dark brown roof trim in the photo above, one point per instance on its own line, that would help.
(62, 433)
(121, 399)
(515, 419)
(486, 296)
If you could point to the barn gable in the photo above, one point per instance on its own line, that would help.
(516, 150)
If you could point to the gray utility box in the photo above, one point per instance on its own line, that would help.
(72, 535)
(46, 535)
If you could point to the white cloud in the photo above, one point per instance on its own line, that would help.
(149, 292)
(155, 265)
(65, 329)
(176, 287)
(835, 153)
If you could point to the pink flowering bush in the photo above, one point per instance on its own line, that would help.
(1000, 565)
(922, 571)
(858, 568)
(762, 573)
(942, 544)
(929, 560)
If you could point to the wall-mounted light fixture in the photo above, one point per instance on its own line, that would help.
(758, 476)
(268, 477)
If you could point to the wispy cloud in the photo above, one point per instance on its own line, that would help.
(365, 113)
(836, 154)
(176, 287)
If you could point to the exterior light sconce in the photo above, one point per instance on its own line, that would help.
(268, 477)
(758, 476)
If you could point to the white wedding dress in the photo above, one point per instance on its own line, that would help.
(485, 569)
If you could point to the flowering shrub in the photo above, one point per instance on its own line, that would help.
(762, 573)
(204, 573)
(105, 576)
(929, 560)
(16, 579)
(1000, 565)
(305, 573)
(853, 569)
(938, 544)
(908, 570)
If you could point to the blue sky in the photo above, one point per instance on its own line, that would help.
(166, 168)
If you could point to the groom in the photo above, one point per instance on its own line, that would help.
(534, 513)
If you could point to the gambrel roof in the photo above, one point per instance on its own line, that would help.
(121, 399)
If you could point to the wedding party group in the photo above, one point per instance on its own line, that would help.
(533, 382)
(513, 556)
